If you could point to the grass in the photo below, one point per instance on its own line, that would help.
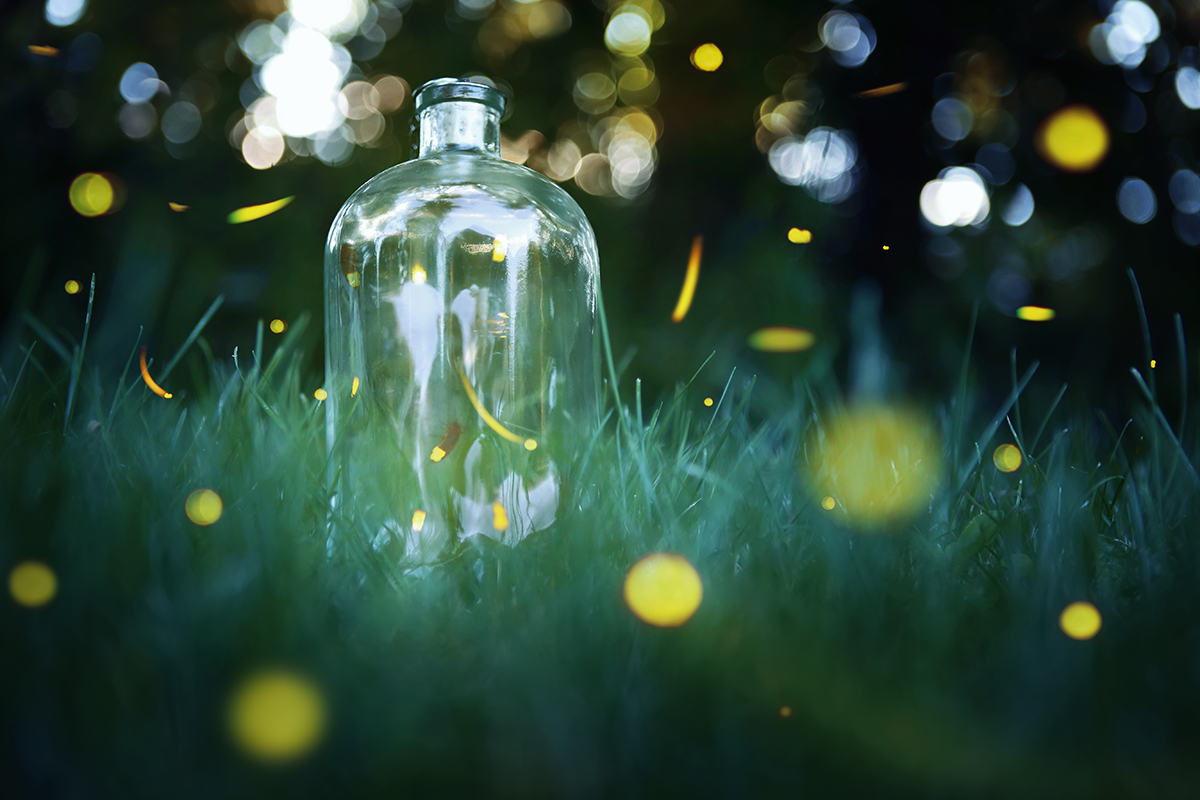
(926, 661)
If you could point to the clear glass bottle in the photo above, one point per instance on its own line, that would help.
(461, 349)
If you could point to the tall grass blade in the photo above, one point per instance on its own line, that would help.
(212, 309)
(1149, 350)
(77, 365)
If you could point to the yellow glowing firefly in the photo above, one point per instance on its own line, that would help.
(499, 517)
(708, 401)
(320, 394)
(707, 57)
(1035, 313)
(689, 282)
(72, 287)
(449, 439)
(1007, 458)
(251, 213)
(491, 421)
(43, 50)
(177, 206)
(799, 235)
(203, 507)
(354, 386)
(499, 248)
(663, 589)
(1080, 620)
(154, 387)
(782, 339)
(278, 326)
(881, 91)
(1073, 138)
(277, 716)
(418, 520)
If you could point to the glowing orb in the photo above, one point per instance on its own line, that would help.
(91, 194)
(1007, 458)
(799, 235)
(1074, 138)
(418, 520)
(530, 445)
(72, 287)
(1080, 620)
(881, 463)
(203, 507)
(781, 339)
(32, 584)
(251, 213)
(785, 711)
(1035, 313)
(276, 716)
(828, 503)
(499, 517)
(707, 57)
(663, 589)
(708, 401)
(278, 326)
(320, 394)
(354, 386)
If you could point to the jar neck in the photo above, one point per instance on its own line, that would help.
(454, 125)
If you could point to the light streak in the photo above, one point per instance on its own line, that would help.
(154, 387)
(689, 281)
(488, 418)
(881, 91)
(251, 213)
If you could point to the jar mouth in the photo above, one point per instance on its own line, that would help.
(444, 89)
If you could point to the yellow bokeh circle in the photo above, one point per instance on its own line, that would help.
(828, 503)
(799, 235)
(278, 326)
(781, 339)
(72, 287)
(881, 463)
(204, 507)
(1074, 138)
(707, 57)
(1007, 458)
(91, 194)
(663, 589)
(32, 584)
(1080, 620)
(277, 715)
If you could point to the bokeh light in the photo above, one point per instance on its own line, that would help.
(1136, 201)
(1035, 313)
(663, 589)
(277, 716)
(828, 503)
(781, 339)
(92, 194)
(1019, 208)
(251, 213)
(881, 463)
(499, 517)
(1184, 190)
(203, 507)
(799, 235)
(1007, 458)
(62, 13)
(72, 286)
(1074, 138)
(139, 83)
(1080, 620)
(32, 584)
(708, 401)
(1187, 86)
(1125, 34)
(278, 326)
(707, 57)
(956, 198)
(849, 37)
(320, 394)
(689, 281)
(418, 520)
(952, 118)
(824, 162)
(628, 32)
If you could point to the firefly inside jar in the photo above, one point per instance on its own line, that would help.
(461, 294)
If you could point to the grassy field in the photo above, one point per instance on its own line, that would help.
(924, 659)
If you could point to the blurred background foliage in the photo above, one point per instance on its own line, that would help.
(216, 106)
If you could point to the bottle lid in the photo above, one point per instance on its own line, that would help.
(443, 89)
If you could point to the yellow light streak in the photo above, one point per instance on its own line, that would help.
(72, 287)
(689, 281)
(278, 326)
(449, 439)
(881, 91)
(1035, 313)
(418, 275)
(484, 415)
(178, 206)
(799, 235)
(251, 213)
(154, 387)
(499, 248)
(354, 387)
(320, 394)
(43, 50)
(782, 339)
(418, 520)
(499, 517)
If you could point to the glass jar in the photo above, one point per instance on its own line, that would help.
(461, 350)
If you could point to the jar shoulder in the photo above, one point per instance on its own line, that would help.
(446, 183)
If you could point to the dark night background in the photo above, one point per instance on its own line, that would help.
(160, 269)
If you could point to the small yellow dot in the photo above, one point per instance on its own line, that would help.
(708, 401)
(828, 503)
(885, 247)
(277, 716)
(499, 517)
(437, 454)
(785, 711)
(663, 589)
(1080, 620)
(530, 445)
(354, 386)
(799, 235)
(418, 275)
(72, 287)
(1153, 363)
(32, 584)
(418, 520)
(203, 507)
(278, 326)
(320, 394)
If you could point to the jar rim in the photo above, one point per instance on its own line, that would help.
(443, 89)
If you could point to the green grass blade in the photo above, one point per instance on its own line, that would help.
(1149, 350)
(212, 309)
(1181, 343)
(77, 364)
(1166, 426)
